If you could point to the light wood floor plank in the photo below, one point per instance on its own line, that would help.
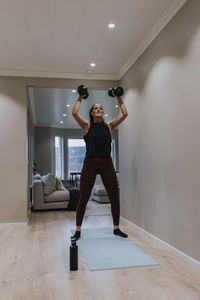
(34, 265)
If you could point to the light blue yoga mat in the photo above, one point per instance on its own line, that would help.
(101, 250)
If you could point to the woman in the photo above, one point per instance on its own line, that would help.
(97, 136)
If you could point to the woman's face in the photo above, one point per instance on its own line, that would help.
(97, 110)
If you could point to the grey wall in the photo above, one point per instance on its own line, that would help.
(159, 160)
(44, 146)
(14, 139)
(43, 150)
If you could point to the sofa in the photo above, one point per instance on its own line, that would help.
(99, 193)
(49, 193)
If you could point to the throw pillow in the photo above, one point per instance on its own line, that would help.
(49, 183)
(59, 185)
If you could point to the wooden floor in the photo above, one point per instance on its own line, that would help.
(34, 265)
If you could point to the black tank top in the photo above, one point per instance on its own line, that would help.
(98, 140)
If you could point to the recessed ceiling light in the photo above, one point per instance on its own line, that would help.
(67, 104)
(111, 25)
(92, 65)
(73, 91)
(61, 122)
(116, 105)
(89, 71)
(64, 115)
(106, 115)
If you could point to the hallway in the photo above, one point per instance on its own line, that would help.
(151, 49)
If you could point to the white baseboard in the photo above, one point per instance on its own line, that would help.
(166, 244)
(17, 223)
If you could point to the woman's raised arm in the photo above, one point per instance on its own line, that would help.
(115, 122)
(83, 123)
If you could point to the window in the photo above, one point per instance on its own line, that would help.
(76, 155)
(59, 157)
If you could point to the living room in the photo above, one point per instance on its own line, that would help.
(56, 146)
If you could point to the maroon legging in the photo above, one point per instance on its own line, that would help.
(91, 167)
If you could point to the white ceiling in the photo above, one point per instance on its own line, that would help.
(60, 38)
(47, 105)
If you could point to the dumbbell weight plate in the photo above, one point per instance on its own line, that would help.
(86, 96)
(118, 91)
(82, 90)
(110, 92)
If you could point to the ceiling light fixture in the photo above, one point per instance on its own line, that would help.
(92, 65)
(106, 115)
(111, 25)
(61, 122)
(64, 115)
(67, 104)
(116, 105)
(90, 71)
(73, 91)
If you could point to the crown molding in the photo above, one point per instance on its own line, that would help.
(156, 29)
(61, 75)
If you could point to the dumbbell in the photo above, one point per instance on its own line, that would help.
(118, 91)
(82, 90)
